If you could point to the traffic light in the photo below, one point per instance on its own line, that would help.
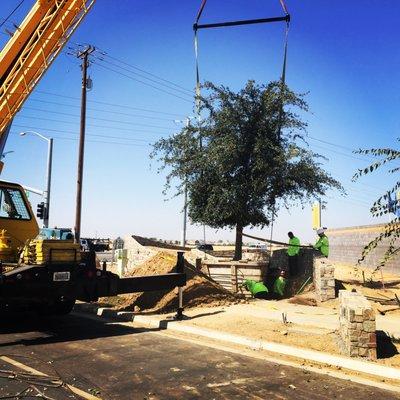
(40, 210)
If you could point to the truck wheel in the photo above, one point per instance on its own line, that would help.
(59, 306)
(62, 306)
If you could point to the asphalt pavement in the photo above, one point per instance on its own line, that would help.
(114, 361)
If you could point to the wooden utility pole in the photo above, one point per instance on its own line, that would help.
(84, 55)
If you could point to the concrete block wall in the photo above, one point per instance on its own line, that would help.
(357, 325)
(324, 280)
(346, 246)
(136, 253)
(279, 259)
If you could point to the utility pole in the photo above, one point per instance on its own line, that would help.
(84, 56)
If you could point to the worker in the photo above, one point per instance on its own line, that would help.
(257, 289)
(322, 244)
(293, 254)
(280, 285)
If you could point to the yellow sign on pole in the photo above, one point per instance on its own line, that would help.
(316, 215)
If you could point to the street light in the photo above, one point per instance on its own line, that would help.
(183, 240)
(5, 153)
(46, 193)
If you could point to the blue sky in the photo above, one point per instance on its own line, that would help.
(344, 54)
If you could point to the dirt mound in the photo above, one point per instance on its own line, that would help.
(200, 290)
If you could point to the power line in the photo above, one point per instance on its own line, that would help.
(106, 54)
(99, 141)
(330, 143)
(94, 125)
(98, 110)
(342, 154)
(104, 136)
(144, 83)
(95, 118)
(185, 92)
(107, 104)
(41, 128)
(11, 13)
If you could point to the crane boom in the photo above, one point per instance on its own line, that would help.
(32, 49)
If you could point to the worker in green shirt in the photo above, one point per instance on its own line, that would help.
(260, 291)
(257, 289)
(280, 285)
(322, 243)
(293, 254)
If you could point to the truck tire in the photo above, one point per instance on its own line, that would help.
(58, 306)
(62, 306)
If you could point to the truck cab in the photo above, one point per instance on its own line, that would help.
(17, 222)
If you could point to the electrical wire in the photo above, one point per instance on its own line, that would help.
(97, 110)
(33, 117)
(41, 128)
(105, 53)
(342, 154)
(96, 118)
(100, 141)
(109, 104)
(129, 139)
(11, 13)
(183, 92)
(144, 83)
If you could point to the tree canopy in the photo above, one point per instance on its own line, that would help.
(247, 153)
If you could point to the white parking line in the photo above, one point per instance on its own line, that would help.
(33, 371)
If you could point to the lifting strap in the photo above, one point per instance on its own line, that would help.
(275, 242)
(197, 26)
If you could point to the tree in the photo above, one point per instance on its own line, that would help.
(386, 204)
(243, 158)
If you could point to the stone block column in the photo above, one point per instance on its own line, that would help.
(357, 325)
(324, 280)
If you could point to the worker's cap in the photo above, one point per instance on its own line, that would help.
(320, 231)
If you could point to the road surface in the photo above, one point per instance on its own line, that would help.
(114, 361)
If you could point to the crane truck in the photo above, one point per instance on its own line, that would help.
(34, 272)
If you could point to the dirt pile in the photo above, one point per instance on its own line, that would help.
(200, 290)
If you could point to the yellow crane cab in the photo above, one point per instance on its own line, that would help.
(18, 224)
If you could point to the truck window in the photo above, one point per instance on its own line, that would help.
(12, 204)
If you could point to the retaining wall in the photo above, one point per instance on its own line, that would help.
(136, 253)
(346, 246)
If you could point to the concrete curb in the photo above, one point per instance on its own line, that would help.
(365, 367)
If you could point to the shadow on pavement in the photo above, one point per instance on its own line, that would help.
(205, 314)
(30, 329)
(385, 347)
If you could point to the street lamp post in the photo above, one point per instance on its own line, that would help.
(183, 240)
(46, 193)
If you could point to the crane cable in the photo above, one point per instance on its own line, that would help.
(196, 27)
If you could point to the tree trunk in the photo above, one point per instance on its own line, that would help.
(238, 242)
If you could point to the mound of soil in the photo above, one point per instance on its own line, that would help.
(200, 290)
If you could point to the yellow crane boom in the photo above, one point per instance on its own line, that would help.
(32, 49)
